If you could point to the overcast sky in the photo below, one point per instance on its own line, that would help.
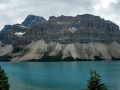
(15, 11)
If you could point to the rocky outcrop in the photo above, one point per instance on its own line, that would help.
(32, 20)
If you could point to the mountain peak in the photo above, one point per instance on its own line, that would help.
(31, 20)
(6, 27)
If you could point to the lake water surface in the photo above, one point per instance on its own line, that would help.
(60, 75)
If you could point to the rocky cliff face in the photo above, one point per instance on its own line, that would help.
(67, 29)
(11, 35)
(82, 28)
(87, 28)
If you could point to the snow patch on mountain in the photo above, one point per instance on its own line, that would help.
(19, 33)
(73, 29)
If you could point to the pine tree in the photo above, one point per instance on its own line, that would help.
(4, 85)
(94, 82)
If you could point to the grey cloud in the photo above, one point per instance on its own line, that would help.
(4, 1)
(17, 10)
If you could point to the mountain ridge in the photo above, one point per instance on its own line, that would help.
(82, 37)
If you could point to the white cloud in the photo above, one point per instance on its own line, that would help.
(3, 6)
(106, 3)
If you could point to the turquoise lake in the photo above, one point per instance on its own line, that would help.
(60, 75)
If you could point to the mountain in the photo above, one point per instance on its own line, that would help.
(11, 33)
(82, 37)
(29, 21)
(67, 29)
(32, 20)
